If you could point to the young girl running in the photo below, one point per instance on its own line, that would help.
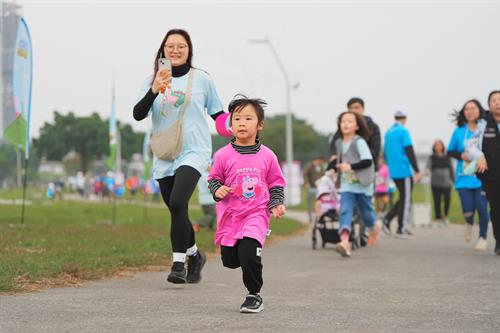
(247, 183)
(357, 172)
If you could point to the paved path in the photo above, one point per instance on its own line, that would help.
(433, 283)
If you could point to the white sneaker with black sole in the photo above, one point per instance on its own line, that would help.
(253, 304)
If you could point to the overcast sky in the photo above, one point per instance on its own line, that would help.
(428, 55)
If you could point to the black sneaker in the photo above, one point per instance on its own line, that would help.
(178, 273)
(195, 265)
(386, 227)
(497, 248)
(252, 304)
(402, 235)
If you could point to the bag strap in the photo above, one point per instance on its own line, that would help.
(187, 94)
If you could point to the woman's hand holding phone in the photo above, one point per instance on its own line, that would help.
(162, 81)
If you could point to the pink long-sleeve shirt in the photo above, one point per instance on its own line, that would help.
(244, 212)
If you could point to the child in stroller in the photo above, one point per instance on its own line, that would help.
(326, 212)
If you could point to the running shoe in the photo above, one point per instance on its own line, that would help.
(253, 304)
(344, 249)
(178, 273)
(409, 232)
(195, 265)
(373, 236)
(386, 227)
(482, 244)
(402, 235)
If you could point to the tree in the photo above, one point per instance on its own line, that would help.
(87, 136)
(89, 139)
(53, 140)
(131, 141)
(307, 143)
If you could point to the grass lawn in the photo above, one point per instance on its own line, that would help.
(69, 240)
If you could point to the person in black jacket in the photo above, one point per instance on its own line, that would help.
(488, 166)
(357, 105)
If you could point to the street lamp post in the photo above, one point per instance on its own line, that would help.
(288, 115)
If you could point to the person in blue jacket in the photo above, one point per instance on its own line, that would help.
(468, 186)
(403, 169)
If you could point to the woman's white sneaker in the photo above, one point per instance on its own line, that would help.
(482, 244)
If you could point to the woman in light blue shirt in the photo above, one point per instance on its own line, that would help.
(178, 178)
(469, 187)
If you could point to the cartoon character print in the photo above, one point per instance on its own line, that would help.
(174, 99)
(247, 186)
(177, 98)
(349, 177)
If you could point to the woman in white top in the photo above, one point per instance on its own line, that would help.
(178, 178)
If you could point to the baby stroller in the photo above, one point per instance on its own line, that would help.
(328, 226)
(327, 213)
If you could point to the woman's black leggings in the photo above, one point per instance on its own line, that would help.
(437, 194)
(176, 191)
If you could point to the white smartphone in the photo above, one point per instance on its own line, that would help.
(164, 63)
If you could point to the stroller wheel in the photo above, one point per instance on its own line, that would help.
(354, 242)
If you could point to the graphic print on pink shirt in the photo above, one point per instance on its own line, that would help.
(247, 186)
(244, 212)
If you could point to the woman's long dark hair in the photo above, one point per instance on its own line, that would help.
(363, 130)
(160, 53)
(458, 116)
